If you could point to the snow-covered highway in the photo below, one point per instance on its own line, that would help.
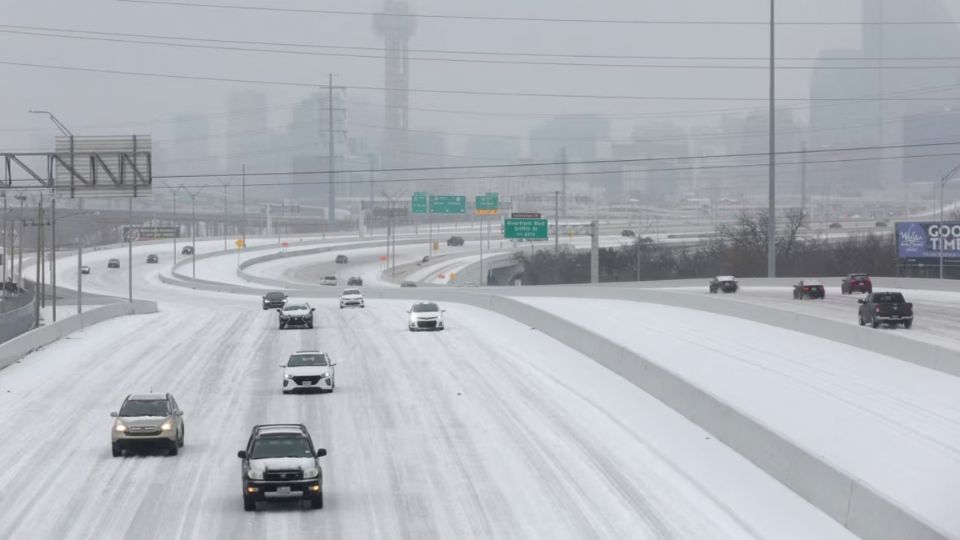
(489, 429)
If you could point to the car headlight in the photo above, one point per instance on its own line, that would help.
(312, 472)
(167, 426)
(287, 376)
(325, 375)
(119, 426)
(254, 474)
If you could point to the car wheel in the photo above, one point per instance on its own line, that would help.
(317, 502)
(173, 449)
(310, 324)
(115, 449)
(182, 436)
(860, 319)
(282, 326)
(907, 324)
(410, 328)
(713, 291)
(875, 323)
(249, 504)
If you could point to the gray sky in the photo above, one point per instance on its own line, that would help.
(100, 104)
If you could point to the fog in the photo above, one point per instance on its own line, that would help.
(195, 131)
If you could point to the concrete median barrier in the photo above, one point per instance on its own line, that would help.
(24, 344)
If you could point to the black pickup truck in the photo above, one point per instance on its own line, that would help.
(885, 307)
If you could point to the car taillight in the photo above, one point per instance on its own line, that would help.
(877, 309)
(806, 288)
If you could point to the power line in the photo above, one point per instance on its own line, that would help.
(12, 27)
(585, 162)
(379, 57)
(531, 19)
(462, 92)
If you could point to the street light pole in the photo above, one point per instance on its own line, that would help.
(943, 183)
(772, 211)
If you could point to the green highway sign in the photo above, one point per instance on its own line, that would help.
(487, 205)
(418, 204)
(525, 229)
(448, 204)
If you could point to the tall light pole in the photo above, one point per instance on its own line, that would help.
(193, 229)
(53, 213)
(225, 184)
(772, 211)
(943, 183)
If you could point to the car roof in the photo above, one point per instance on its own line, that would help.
(726, 278)
(811, 282)
(278, 429)
(308, 352)
(146, 397)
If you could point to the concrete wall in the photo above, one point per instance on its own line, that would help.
(20, 346)
(19, 320)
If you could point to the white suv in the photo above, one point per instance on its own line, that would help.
(308, 370)
(329, 280)
(425, 316)
(351, 297)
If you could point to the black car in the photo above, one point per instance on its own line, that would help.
(355, 281)
(455, 241)
(628, 233)
(280, 462)
(296, 314)
(408, 283)
(113, 263)
(187, 250)
(274, 300)
(809, 288)
(727, 284)
(836, 226)
(152, 259)
(342, 259)
(84, 269)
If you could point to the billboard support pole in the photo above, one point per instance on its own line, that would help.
(943, 183)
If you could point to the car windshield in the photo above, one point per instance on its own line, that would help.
(299, 360)
(274, 296)
(278, 447)
(858, 276)
(425, 308)
(295, 307)
(144, 407)
(888, 298)
(350, 291)
(330, 278)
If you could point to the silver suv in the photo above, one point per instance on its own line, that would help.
(147, 421)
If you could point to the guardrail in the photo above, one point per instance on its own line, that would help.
(22, 345)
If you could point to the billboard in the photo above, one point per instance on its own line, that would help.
(925, 240)
(103, 166)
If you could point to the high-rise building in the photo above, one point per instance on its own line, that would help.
(396, 28)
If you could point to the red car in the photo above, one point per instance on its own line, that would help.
(856, 283)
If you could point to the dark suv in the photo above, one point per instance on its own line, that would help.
(187, 250)
(113, 263)
(152, 259)
(342, 259)
(455, 241)
(280, 462)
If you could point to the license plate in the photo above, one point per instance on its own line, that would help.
(283, 490)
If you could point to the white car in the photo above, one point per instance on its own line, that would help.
(351, 297)
(329, 280)
(309, 370)
(425, 316)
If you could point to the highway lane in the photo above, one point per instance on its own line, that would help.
(488, 429)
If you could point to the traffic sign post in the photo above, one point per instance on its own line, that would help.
(525, 229)
(448, 204)
(487, 205)
(418, 203)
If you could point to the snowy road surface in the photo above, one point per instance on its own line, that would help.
(488, 429)
(891, 424)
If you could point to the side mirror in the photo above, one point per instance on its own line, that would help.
(114, 414)
(279, 310)
(408, 311)
(321, 452)
(178, 413)
(312, 309)
(283, 365)
(861, 300)
(443, 311)
(242, 454)
(333, 364)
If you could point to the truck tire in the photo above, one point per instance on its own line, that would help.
(874, 322)
(860, 317)
(115, 450)
(317, 502)
(907, 324)
(174, 449)
(249, 504)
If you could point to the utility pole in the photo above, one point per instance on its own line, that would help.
(22, 198)
(332, 188)
(771, 156)
(556, 221)
(80, 264)
(243, 203)
(36, 283)
(594, 251)
(130, 254)
(53, 254)
(481, 252)
(563, 183)
(803, 179)
(6, 253)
